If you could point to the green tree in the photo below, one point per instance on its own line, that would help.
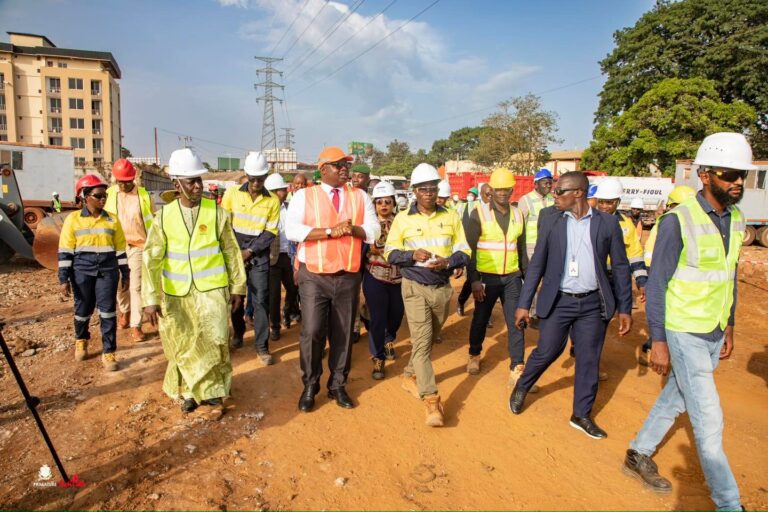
(125, 152)
(517, 135)
(667, 123)
(459, 143)
(722, 41)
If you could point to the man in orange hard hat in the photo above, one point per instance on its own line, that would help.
(133, 207)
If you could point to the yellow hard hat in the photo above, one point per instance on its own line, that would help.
(680, 194)
(501, 177)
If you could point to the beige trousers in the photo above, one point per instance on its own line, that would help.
(130, 300)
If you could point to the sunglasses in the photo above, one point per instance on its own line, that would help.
(384, 201)
(730, 176)
(341, 165)
(256, 178)
(100, 195)
(560, 191)
(426, 190)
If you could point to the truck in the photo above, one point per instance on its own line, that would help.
(653, 191)
(754, 203)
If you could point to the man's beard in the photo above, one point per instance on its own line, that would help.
(722, 195)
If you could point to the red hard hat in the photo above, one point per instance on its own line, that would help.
(88, 181)
(123, 170)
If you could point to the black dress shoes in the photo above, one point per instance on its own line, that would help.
(307, 399)
(589, 427)
(341, 397)
(516, 400)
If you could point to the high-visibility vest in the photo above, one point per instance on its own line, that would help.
(649, 244)
(466, 207)
(333, 254)
(440, 233)
(56, 204)
(700, 293)
(252, 217)
(195, 258)
(145, 203)
(496, 250)
(535, 204)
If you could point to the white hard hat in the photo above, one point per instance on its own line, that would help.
(184, 163)
(54, 193)
(725, 149)
(609, 188)
(383, 189)
(443, 189)
(275, 182)
(424, 173)
(256, 164)
(637, 203)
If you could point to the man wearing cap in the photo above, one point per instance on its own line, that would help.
(330, 221)
(133, 207)
(255, 217)
(427, 242)
(360, 176)
(280, 268)
(193, 276)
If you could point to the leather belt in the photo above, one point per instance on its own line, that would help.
(578, 295)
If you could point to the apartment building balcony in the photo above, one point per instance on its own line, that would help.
(53, 90)
(97, 132)
(95, 92)
(55, 129)
(3, 127)
(96, 112)
(54, 110)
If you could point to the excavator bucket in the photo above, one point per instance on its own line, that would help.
(46, 244)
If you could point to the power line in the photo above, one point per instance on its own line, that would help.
(328, 34)
(268, 132)
(371, 47)
(333, 52)
(306, 28)
(171, 132)
(274, 47)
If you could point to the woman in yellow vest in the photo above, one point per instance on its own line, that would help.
(193, 277)
(91, 251)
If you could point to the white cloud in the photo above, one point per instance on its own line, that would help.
(243, 4)
(505, 80)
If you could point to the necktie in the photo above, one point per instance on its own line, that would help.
(335, 198)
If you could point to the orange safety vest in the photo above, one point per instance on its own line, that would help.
(334, 254)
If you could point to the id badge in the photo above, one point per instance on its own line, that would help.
(573, 268)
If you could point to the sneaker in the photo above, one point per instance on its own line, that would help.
(515, 374)
(378, 369)
(188, 405)
(409, 384)
(266, 358)
(389, 351)
(136, 335)
(473, 366)
(644, 469)
(434, 411)
(109, 361)
(81, 350)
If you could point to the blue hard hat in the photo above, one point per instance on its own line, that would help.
(592, 191)
(542, 174)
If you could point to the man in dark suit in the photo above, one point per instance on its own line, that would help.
(577, 297)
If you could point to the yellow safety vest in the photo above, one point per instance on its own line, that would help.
(251, 217)
(700, 293)
(650, 243)
(440, 233)
(145, 203)
(535, 204)
(195, 258)
(496, 250)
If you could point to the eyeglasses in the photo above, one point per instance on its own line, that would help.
(384, 201)
(100, 195)
(426, 190)
(256, 178)
(730, 176)
(341, 165)
(560, 191)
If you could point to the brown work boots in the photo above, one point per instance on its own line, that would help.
(81, 350)
(434, 411)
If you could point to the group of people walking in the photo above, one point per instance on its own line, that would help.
(554, 261)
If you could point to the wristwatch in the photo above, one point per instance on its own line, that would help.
(328, 232)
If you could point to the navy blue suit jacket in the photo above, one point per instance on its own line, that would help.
(548, 263)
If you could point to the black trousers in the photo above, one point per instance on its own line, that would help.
(329, 306)
(583, 319)
(281, 273)
(507, 289)
(466, 291)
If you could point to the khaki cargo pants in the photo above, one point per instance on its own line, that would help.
(426, 308)
(130, 300)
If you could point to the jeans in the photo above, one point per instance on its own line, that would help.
(507, 288)
(258, 287)
(100, 292)
(281, 273)
(691, 388)
(385, 304)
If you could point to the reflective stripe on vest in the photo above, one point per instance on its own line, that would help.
(145, 204)
(192, 259)
(700, 293)
(333, 255)
(496, 250)
(536, 203)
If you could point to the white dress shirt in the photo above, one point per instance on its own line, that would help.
(285, 244)
(297, 231)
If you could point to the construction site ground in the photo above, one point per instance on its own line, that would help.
(133, 449)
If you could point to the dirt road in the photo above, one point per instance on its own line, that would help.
(131, 446)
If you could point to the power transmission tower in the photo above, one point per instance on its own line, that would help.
(268, 132)
(288, 138)
(187, 141)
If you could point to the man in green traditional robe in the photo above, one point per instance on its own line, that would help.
(193, 275)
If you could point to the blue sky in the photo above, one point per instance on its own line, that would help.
(188, 66)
